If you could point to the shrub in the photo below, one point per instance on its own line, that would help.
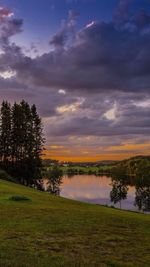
(5, 176)
(19, 198)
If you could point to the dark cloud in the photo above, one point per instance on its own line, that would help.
(66, 32)
(142, 19)
(10, 52)
(5, 13)
(9, 26)
(103, 70)
(121, 13)
(103, 57)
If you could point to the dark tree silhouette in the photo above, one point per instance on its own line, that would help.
(54, 180)
(21, 141)
(5, 133)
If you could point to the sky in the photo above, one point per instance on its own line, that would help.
(86, 65)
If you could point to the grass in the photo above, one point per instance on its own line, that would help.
(51, 231)
(84, 170)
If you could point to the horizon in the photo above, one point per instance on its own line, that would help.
(85, 65)
(95, 161)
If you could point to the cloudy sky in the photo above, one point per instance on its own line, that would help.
(86, 65)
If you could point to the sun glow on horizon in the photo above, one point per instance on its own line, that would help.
(110, 153)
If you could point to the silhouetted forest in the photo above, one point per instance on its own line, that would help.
(21, 141)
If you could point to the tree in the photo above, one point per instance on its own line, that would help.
(36, 141)
(21, 141)
(5, 133)
(54, 180)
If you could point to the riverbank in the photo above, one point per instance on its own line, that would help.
(53, 231)
(135, 166)
(84, 170)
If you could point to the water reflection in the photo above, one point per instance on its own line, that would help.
(51, 181)
(142, 195)
(132, 193)
(87, 188)
(119, 192)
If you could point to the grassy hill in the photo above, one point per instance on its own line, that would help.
(49, 231)
(138, 166)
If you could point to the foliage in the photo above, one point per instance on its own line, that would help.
(48, 162)
(119, 191)
(21, 141)
(142, 194)
(137, 166)
(54, 180)
(73, 170)
(5, 176)
(142, 198)
(19, 198)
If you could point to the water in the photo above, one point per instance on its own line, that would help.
(93, 189)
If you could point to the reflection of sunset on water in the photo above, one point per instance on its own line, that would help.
(93, 189)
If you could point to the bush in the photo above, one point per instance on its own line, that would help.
(19, 198)
(5, 176)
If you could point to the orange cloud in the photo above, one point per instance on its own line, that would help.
(77, 154)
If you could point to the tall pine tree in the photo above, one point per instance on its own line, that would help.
(5, 133)
(21, 141)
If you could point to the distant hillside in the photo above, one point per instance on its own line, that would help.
(50, 162)
(139, 165)
(137, 158)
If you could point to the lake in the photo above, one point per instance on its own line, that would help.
(94, 189)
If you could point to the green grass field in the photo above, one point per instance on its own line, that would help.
(84, 170)
(49, 231)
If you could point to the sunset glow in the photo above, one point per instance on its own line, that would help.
(87, 73)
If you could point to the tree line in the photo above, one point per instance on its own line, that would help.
(21, 141)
